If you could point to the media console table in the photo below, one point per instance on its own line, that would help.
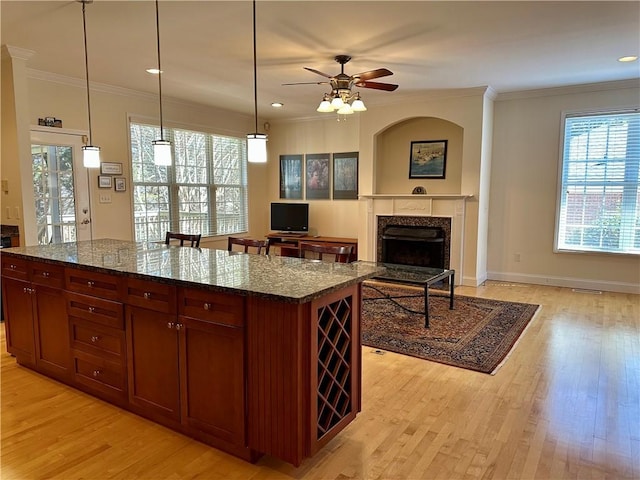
(251, 354)
(288, 243)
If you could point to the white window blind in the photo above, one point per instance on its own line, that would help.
(599, 198)
(204, 191)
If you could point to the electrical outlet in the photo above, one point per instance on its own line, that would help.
(105, 198)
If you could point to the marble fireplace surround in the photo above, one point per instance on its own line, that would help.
(407, 205)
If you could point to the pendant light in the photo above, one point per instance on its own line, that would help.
(162, 147)
(256, 142)
(90, 153)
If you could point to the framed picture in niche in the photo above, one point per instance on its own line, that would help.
(428, 159)
(317, 176)
(291, 177)
(345, 176)
(104, 181)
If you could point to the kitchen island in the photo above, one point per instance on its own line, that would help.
(251, 354)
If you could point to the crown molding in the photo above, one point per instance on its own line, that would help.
(18, 53)
(570, 89)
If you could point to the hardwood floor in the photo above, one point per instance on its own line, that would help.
(566, 404)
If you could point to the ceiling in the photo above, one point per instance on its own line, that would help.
(207, 52)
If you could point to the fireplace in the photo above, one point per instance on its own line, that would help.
(413, 245)
(412, 240)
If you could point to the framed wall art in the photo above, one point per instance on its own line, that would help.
(345, 176)
(107, 168)
(317, 176)
(120, 184)
(428, 159)
(291, 177)
(104, 181)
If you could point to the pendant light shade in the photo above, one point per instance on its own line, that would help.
(257, 147)
(91, 156)
(90, 153)
(162, 152)
(161, 148)
(256, 142)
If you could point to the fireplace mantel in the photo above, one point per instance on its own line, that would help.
(420, 205)
(442, 196)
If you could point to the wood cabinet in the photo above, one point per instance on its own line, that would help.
(98, 346)
(212, 365)
(33, 297)
(250, 375)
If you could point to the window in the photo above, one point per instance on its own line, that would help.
(204, 191)
(599, 201)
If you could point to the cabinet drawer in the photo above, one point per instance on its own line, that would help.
(97, 339)
(215, 307)
(96, 310)
(93, 283)
(151, 295)
(99, 374)
(13, 267)
(47, 274)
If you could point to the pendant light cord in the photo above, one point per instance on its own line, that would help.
(86, 66)
(159, 70)
(255, 70)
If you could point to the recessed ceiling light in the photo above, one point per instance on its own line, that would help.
(154, 71)
(277, 104)
(630, 58)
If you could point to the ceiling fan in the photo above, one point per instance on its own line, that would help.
(342, 83)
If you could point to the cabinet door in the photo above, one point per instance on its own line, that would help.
(212, 366)
(53, 352)
(18, 311)
(152, 358)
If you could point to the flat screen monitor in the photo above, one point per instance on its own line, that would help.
(290, 217)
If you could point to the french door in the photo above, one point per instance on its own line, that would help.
(62, 204)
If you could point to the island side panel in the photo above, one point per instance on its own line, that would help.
(298, 356)
(278, 349)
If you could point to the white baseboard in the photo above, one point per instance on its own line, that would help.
(607, 286)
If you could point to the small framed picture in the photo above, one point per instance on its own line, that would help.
(428, 159)
(345, 176)
(104, 181)
(317, 176)
(107, 168)
(291, 176)
(121, 184)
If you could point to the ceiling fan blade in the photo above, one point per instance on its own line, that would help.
(318, 72)
(307, 83)
(389, 87)
(371, 74)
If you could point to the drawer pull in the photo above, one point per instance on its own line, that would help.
(207, 306)
(95, 338)
(45, 274)
(28, 290)
(90, 283)
(13, 267)
(92, 309)
(170, 324)
(147, 295)
(96, 373)
(179, 326)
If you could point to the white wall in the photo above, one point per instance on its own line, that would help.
(524, 176)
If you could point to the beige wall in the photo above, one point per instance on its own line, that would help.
(111, 108)
(524, 176)
(334, 218)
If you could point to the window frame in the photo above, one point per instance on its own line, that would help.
(173, 187)
(562, 184)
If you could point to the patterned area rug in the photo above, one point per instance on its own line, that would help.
(477, 334)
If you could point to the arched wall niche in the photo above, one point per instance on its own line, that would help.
(392, 151)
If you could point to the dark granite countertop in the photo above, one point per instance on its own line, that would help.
(282, 278)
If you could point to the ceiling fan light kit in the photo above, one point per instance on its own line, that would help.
(342, 99)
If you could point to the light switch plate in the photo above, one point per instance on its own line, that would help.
(105, 198)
